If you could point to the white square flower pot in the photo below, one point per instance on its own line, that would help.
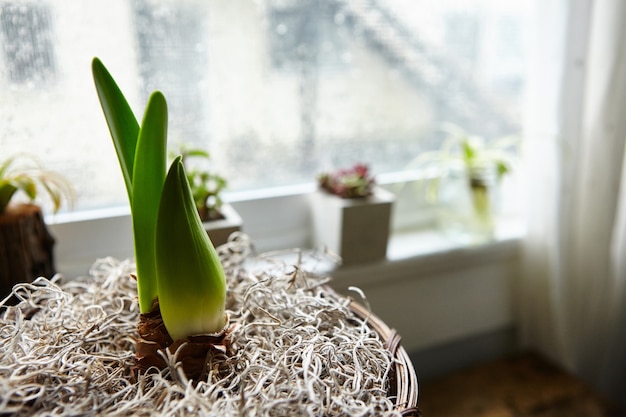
(220, 230)
(357, 229)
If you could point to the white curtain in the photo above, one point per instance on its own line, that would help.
(572, 295)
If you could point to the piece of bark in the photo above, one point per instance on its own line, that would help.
(26, 246)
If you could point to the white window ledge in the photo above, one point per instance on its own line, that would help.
(279, 221)
(425, 253)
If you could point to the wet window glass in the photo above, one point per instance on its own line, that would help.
(275, 90)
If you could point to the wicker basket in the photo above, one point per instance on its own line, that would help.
(406, 384)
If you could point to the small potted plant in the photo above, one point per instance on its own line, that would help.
(351, 215)
(26, 246)
(219, 219)
(180, 281)
(467, 174)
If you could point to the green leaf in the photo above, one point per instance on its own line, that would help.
(191, 281)
(27, 184)
(120, 119)
(54, 193)
(4, 167)
(469, 152)
(7, 189)
(502, 168)
(147, 181)
(196, 153)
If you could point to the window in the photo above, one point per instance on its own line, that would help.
(276, 90)
(27, 44)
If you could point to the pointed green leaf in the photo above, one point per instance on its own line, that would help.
(148, 178)
(54, 193)
(120, 119)
(502, 168)
(27, 184)
(469, 152)
(191, 281)
(7, 189)
(196, 153)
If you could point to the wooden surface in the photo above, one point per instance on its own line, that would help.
(25, 247)
(522, 386)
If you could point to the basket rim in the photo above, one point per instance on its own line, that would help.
(407, 387)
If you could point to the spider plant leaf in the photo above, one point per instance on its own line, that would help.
(196, 153)
(7, 189)
(122, 123)
(469, 151)
(191, 281)
(5, 166)
(432, 190)
(502, 168)
(27, 184)
(147, 184)
(54, 193)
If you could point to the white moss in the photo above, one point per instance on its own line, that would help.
(67, 348)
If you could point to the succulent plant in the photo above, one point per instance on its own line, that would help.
(353, 182)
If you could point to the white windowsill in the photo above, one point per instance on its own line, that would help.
(426, 253)
(423, 243)
(274, 222)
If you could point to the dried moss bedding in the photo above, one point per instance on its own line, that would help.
(297, 348)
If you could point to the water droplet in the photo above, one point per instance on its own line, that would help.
(282, 29)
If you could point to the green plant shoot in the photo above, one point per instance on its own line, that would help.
(121, 120)
(143, 147)
(176, 261)
(147, 183)
(189, 270)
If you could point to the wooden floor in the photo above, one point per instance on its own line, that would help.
(521, 386)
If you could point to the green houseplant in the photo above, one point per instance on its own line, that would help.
(25, 173)
(26, 246)
(465, 179)
(179, 276)
(206, 185)
(351, 215)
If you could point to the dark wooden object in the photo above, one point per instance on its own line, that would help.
(25, 247)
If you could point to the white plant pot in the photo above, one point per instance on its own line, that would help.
(220, 230)
(357, 229)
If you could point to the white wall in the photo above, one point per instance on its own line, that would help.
(441, 298)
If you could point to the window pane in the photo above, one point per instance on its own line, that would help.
(276, 90)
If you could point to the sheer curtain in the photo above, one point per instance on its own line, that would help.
(572, 298)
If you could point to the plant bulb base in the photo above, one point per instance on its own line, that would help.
(194, 352)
